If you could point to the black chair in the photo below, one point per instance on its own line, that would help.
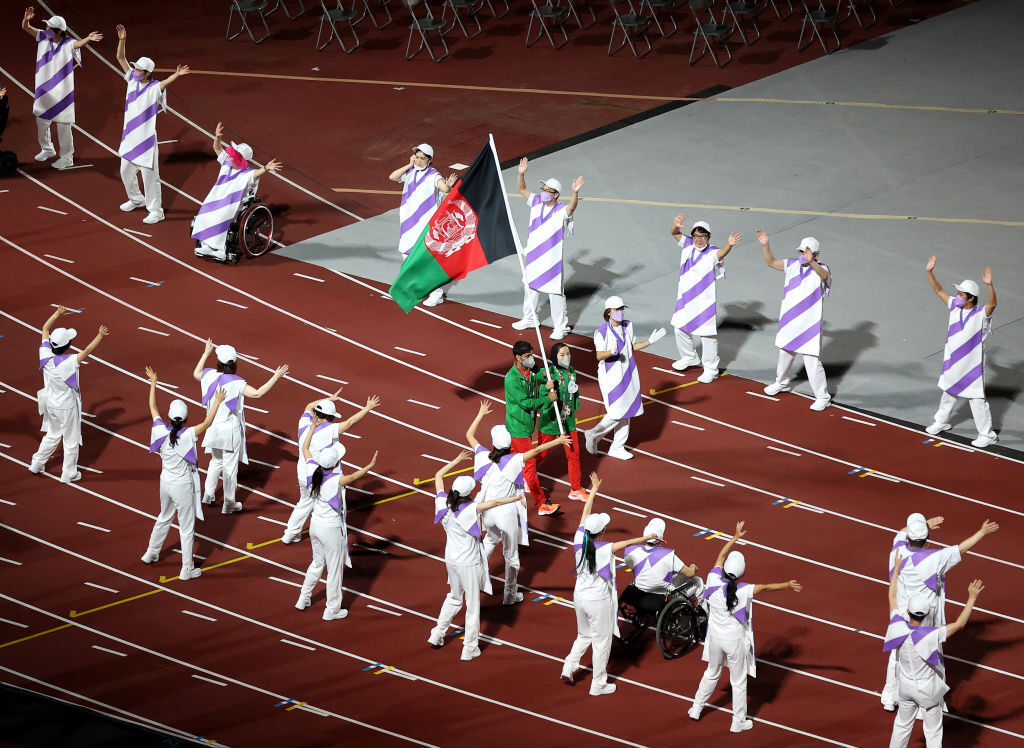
(747, 9)
(280, 4)
(668, 6)
(470, 8)
(548, 17)
(423, 24)
(244, 8)
(334, 18)
(709, 30)
(631, 23)
(814, 19)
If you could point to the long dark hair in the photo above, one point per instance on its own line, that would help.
(318, 480)
(496, 454)
(57, 351)
(730, 592)
(555, 349)
(589, 559)
(454, 499)
(229, 368)
(177, 424)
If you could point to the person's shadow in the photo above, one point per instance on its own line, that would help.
(739, 322)
(590, 273)
(1002, 385)
(841, 351)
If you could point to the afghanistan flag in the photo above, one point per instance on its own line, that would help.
(469, 229)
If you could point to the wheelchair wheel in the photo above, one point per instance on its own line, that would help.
(632, 628)
(257, 229)
(677, 628)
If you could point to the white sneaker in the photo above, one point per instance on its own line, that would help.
(335, 615)
(71, 478)
(155, 216)
(567, 678)
(63, 162)
(620, 454)
(45, 154)
(232, 508)
(435, 641)
(291, 538)
(558, 334)
(190, 574)
(209, 499)
(776, 388)
(821, 403)
(469, 654)
(36, 468)
(512, 599)
(150, 558)
(708, 376)
(523, 324)
(436, 297)
(985, 441)
(303, 602)
(589, 442)
(694, 712)
(685, 363)
(129, 206)
(604, 690)
(938, 428)
(747, 724)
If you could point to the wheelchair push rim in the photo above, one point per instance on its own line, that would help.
(256, 229)
(677, 628)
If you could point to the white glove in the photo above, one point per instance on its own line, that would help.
(656, 335)
(573, 388)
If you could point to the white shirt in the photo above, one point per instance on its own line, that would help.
(326, 435)
(461, 548)
(722, 623)
(590, 585)
(651, 578)
(59, 394)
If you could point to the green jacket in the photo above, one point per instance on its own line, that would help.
(569, 403)
(523, 398)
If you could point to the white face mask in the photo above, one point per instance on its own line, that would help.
(528, 362)
(564, 361)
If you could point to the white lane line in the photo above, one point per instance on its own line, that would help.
(143, 280)
(425, 405)
(310, 277)
(165, 142)
(313, 710)
(763, 396)
(579, 347)
(70, 310)
(486, 324)
(92, 527)
(350, 435)
(548, 542)
(409, 350)
(9, 561)
(77, 166)
(52, 210)
(591, 400)
(168, 384)
(89, 469)
(139, 233)
(258, 410)
(366, 547)
(199, 615)
(60, 259)
(194, 555)
(494, 373)
(2, 191)
(155, 332)
(359, 490)
(101, 587)
(627, 511)
(246, 355)
(266, 464)
(88, 415)
(331, 379)
(689, 426)
(271, 519)
(384, 610)
(435, 459)
(669, 371)
(5, 501)
(884, 477)
(209, 680)
(14, 623)
(705, 480)
(858, 420)
(231, 303)
(286, 581)
(109, 651)
(300, 646)
(785, 451)
(954, 445)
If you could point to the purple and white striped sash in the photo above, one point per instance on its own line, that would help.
(419, 201)
(696, 308)
(544, 245)
(138, 137)
(963, 364)
(221, 204)
(651, 558)
(717, 583)
(603, 557)
(232, 383)
(925, 639)
(617, 375)
(63, 364)
(799, 329)
(185, 448)
(465, 516)
(55, 77)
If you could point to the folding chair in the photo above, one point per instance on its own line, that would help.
(244, 8)
(373, 16)
(423, 25)
(495, 13)
(668, 6)
(333, 17)
(781, 17)
(471, 7)
(852, 11)
(545, 15)
(576, 16)
(817, 18)
(708, 31)
(634, 22)
(283, 6)
(746, 8)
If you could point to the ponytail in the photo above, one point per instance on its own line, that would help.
(496, 454)
(318, 480)
(730, 593)
(176, 425)
(454, 499)
(589, 557)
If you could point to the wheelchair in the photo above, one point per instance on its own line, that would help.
(251, 232)
(679, 620)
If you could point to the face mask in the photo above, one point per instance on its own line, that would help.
(546, 197)
(563, 361)
(528, 362)
(618, 316)
(958, 302)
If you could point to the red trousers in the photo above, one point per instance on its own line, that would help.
(572, 454)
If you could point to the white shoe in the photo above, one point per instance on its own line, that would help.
(436, 297)
(45, 154)
(708, 376)
(821, 403)
(209, 499)
(888, 707)
(155, 216)
(435, 641)
(685, 363)
(63, 162)
(71, 478)
(150, 558)
(36, 468)
(589, 442)
(775, 389)
(303, 602)
(291, 539)
(469, 654)
(232, 508)
(694, 712)
(985, 441)
(336, 615)
(523, 324)
(938, 428)
(558, 334)
(190, 573)
(620, 454)
(747, 724)
(604, 690)
(512, 599)
(129, 206)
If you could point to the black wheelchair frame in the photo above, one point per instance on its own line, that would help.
(678, 620)
(251, 232)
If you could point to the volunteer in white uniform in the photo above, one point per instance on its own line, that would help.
(595, 597)
(920, 672)
(328, 534)
(318, 415)
(500, 472)
(463, 555)
(60, 399)
(179, 475)
(657, 569)
(225, 439)
(730, 639)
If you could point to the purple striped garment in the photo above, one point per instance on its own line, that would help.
(696, 301)
(963, 360)
(617, 375)
(803, 295)
(138, 136)
(55, 77)
(221, 204)
(419, 201)
(548, 223)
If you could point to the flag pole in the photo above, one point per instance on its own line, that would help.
(522, 266)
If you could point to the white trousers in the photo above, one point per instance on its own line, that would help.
(175, 498)
(300, 513)
(62, 425)
(708, 349)
(594, 619)
(733, 654)
(503, 528)
(903, 725)
(64, 136)
(619, 428)
(463, 583)
(223, 464)
(151, 194)
(979, 409)
(328, 550)
(559, 309)
(815, 373)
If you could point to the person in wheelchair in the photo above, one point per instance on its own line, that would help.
(657, 570)
(233, 191)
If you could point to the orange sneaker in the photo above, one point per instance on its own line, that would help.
(578, 495)
(547, 509)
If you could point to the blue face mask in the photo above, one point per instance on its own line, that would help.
(958, 302)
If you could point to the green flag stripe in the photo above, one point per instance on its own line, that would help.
(420, 274)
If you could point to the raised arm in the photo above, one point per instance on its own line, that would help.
(653, 338)
(256, 394)
(678, 225)
(769, 259)
(893, 583)
(987, 528)
(122, 56)
(354, 476)
(207, 350)
(94, 36)
(48, 325)
(973, 591)
(306, 454)
(986, 278)
(740, 532)
(333, 398)
(179, 71)
(152, 393)
(396, 175)
(595, 483)
(792, 584)
(734, 239)
(485, 408)
(93, 344)
(371, 403)
(444, 186)
(26, 26)
(273, 166)
(577, 185)
(218, 398)
(936, 286)
(443, 471)
(558, 441)
(808, 255)
(623, 544)
(483, 506)
(524, 163)
(218, 133)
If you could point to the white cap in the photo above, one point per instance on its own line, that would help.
(244, 149)
(701, 225)
(325, 408)
(178, 411)
(809, 242)
(917, 527)
(328, 457)
(57, 22)
(62, 336)
(655, 527)
(968, 286)
(553, 184)
(596, 523)
(464, 484)
(144, 63)
(734, 564)
(225, 354)
(919, 604)
(500, 438)
(426, 148)
(614, 302)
